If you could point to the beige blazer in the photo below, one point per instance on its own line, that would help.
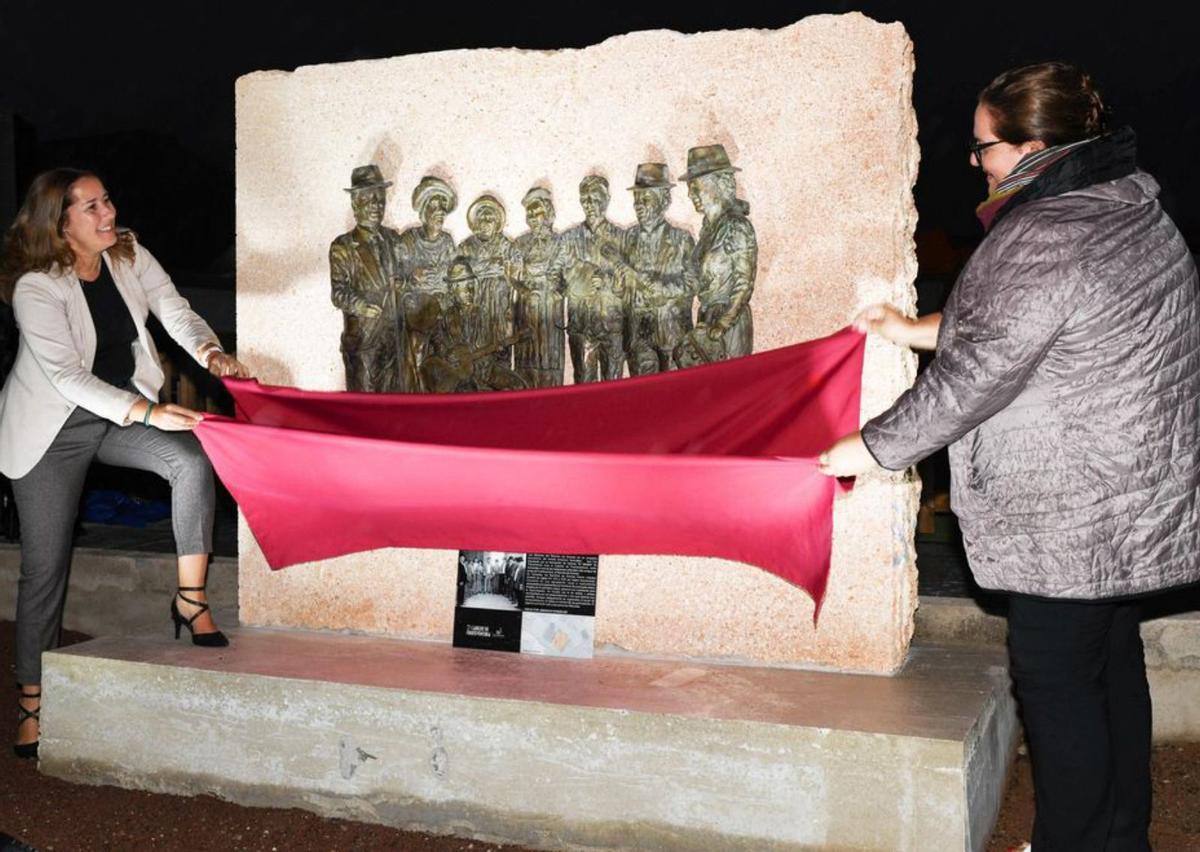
(52, 372)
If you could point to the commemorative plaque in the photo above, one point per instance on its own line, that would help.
(532, 603)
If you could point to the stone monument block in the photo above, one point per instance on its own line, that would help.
(818, 119)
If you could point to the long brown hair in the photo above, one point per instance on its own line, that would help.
(35, 241)
(1054, 102)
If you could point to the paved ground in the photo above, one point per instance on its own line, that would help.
(1175, 826)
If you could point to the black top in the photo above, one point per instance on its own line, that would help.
(115, 331)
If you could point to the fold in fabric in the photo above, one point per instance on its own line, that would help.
(717, 460)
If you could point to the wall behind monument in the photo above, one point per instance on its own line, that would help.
(817, 116)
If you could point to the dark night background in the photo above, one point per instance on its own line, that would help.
(144, 92)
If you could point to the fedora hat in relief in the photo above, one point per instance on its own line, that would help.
(366, 177)
(651, 176)
(706, 159)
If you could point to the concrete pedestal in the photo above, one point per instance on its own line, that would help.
(615, 752)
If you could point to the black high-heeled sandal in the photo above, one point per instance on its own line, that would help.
(216, 639)
(28, 751)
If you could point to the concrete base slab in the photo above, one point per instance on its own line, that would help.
(613, 752)
(1171, 634)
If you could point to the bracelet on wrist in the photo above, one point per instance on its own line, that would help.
(146, 416)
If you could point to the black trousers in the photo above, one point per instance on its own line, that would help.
(1079, 672)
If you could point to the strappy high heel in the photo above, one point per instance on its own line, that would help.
(216, 639)
(28, 751)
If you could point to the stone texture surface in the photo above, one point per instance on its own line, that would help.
(114, 592)
(947, 619)
(818, 116)
(607, 753)
(1172, 656)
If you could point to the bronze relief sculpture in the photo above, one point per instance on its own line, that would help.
(461, 357)
(363, 268)
(425, 254)
(726, 255)
(540, 285)
(591, 242)
(494, 260)
(662, 278)
(596, 325)
(424, 315)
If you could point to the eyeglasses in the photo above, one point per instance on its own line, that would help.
(977, 149)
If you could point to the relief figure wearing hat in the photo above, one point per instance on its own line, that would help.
(661, 281)
(726, 255)
(460, 355)
(590, 242)
(363, 268)
(425, 252)
(494, 259)
(539, 358)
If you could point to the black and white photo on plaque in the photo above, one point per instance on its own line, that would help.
(491, 585)
(491, 579)
(534, 603)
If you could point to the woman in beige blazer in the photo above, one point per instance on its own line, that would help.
(84, 387)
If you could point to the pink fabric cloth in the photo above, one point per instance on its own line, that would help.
(716, 460)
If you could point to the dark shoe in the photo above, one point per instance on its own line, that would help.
(28, 751)
(216, 639)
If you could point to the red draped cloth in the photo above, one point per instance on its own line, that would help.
(717, 460)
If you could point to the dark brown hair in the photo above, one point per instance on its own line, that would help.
(35, 241)
(1053, 102)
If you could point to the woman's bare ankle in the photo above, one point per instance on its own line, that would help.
(204, 622)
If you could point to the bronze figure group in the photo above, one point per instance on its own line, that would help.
(423, 314)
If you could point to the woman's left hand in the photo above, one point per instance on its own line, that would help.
(223, 364)
(849, 456)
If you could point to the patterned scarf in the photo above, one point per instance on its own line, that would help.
(1028, 169)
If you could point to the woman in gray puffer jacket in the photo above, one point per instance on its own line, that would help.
(1067, 387)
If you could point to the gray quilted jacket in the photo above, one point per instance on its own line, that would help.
(1067, 386)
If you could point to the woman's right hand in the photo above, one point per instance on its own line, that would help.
(165, 416)
(883, 320)
(174, 418)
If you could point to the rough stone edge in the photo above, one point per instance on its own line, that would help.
(881, 357)
(277, 73)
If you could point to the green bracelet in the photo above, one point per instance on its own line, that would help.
(146, 417)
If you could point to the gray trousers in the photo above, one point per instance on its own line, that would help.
(48, 501)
